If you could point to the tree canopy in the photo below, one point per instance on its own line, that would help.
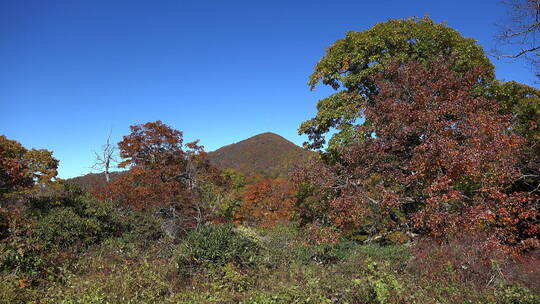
(21, 168)
(436, 156)
(349, 64)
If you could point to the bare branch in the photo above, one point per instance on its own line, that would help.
(523, 52)
(106, 158)
(522, 28)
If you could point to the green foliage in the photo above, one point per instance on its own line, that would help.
(523, 103)
(53, 229)
(515, 294)
(216, 245)
(11, 291)
(311, 204)
(4, 224)
(115, 272)
(65, 229)
(395, 253)
(282, 245)
(224, 202)
(19, 252)
(141, 228)
(73, 219)
(235, 179)
(123, 283)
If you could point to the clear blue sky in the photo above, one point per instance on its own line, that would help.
(220, 71)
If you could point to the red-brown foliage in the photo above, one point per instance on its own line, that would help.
(469, 258)
(435, 156)
(162, 174)
(20, 169)
(267, 202)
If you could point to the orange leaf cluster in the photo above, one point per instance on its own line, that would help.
(267, 202)
(163, 173)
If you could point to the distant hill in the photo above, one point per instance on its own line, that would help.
(92, 179)
(266, 153)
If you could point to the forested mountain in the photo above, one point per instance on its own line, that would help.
(92, 179)
(265, 153)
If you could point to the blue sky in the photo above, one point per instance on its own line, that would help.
(220, 71)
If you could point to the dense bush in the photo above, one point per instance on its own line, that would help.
(65, 229)
(4, 224)
(73, 220)
(515, 294)
(119, 271)
(141, 228)
(19, 252)
(216, 245)
(52, 230)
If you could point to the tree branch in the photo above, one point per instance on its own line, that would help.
(523, 52)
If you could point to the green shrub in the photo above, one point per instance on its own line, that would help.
(394, 253)
(52, 229)
(123, 282)
(69, 195)
(73, 219)
(328, 253)
(19, 252)
(282, 245)
(515, 294)
(141, 228)
(216, 245)
(4, 224)
(11, 291)
(65, 229)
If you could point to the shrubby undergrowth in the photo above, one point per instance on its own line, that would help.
(228, 264)
(216, 245)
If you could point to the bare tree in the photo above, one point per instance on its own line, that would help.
(522, 29)
(105, 158)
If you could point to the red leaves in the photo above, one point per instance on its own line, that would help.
(435, 155)
(162, 174)
(20, 168)
(267, 202)
(153, 143)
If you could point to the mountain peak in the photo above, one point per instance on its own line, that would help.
(265, 153)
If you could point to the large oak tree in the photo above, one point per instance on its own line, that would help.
(436, 158)
(350, 63)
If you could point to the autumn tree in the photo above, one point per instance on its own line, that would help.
(350, 63)
(21, 169)
(436, 158)
(267, 202)
(164, 173)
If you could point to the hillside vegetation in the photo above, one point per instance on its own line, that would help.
(266, 153)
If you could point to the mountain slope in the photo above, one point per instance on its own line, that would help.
(266, 153)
